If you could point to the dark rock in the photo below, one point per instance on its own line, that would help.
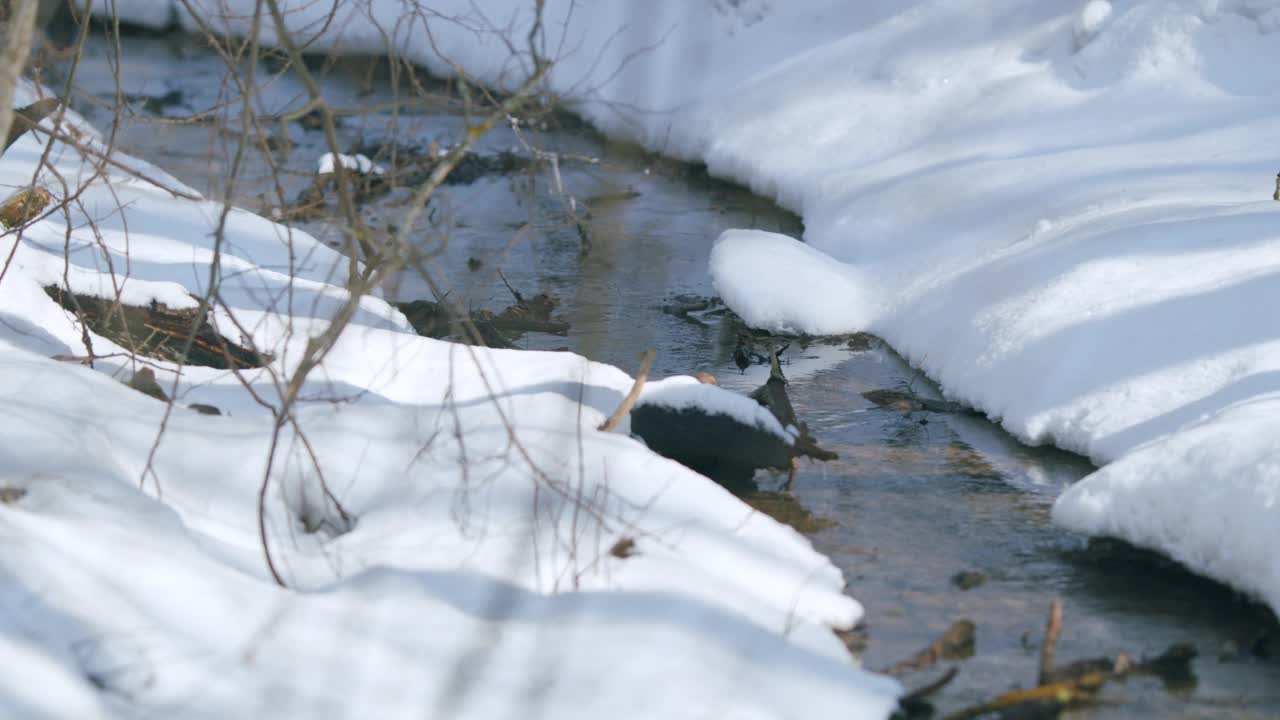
(968, 579)
(717, 446)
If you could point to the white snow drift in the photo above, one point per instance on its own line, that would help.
(1061, 211)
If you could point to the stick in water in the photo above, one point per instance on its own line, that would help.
(1051, 632)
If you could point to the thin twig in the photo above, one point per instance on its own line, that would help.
(646, 364)
(514, 293)
(1067, 692)
(1051, 632)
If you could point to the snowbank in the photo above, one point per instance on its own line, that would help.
(1060, 211)
(772, 281)
(1217, 478)
(479, 565)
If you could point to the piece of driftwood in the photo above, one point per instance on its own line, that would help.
(433, 319)
(159, 332)
(526, 314)
(1063, 686)
(1056, 689)
(1052, 696)
(1173, 666)
(909, 402)
(956, 643)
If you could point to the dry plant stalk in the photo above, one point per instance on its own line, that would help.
(646, 364)
(1051, 633)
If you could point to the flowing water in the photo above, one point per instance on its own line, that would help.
(915, 498)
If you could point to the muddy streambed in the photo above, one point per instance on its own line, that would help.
(933, 517)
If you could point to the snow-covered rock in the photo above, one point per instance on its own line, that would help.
(356, 163)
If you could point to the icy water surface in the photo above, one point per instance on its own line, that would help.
(915, 498)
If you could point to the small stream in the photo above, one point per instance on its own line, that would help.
(914, 499)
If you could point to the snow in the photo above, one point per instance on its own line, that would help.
(358, 163)
(475, 578)
(1059, 211)
(1090, 21)
(755, 274)
(683, 393)
(1160, 495)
